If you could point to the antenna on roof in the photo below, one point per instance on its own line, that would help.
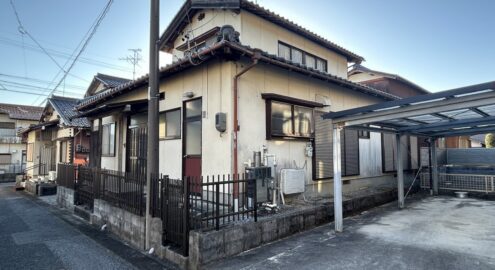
(134, 60)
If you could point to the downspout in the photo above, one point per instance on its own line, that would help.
(235, 121)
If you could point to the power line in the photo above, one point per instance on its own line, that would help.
(23, 31)
(25, 92)
(35, 80)
(56, 53)
(26, 86)
(98, 22)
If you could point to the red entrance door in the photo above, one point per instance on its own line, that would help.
(192, 141)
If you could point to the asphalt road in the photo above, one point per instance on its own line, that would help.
(431, 233)
(34, 235)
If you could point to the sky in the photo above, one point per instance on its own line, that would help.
(439, 45)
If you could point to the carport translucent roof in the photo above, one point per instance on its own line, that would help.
(462, 111)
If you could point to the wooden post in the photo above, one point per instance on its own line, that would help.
(337, 180)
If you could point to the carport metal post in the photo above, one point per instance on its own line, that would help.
(434, 165)
(400, 171)
(337, 180)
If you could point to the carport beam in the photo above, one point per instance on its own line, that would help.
(434, 166)
(337, 180)
(400, 171)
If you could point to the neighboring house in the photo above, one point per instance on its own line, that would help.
(13, 118)
(402, 87)
(270, 78)
(57, 138)
(102, 82)
(387, 82)
(478, 141)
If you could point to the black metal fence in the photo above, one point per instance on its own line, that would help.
(86, 186)
(121, 189)
(203, 203)
(219, 200)
(66, 175)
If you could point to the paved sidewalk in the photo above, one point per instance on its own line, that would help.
(34, 235)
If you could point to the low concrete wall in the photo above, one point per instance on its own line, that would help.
(65, 198)
(205, 247)
(130, 228)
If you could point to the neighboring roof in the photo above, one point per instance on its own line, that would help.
(21, 112)
(463, 111)
(190, 8)
(357, 68)
(64, 106)
(479, 138)
(108, 81)
(216, 49)
(40, 125)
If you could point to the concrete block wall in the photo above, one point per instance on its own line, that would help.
(65, 198)
(206, 247)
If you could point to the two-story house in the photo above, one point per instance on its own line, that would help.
(14, 118)
(243, 79)
(56, 138)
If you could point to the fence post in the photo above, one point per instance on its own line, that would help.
(217, 204)
(185, 239)
(255, 200)
(493, 188)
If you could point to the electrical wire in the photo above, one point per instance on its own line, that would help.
(35, 80)
(60, 54)
(93, 31)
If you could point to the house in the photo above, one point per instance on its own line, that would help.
(56, 138)
(387, 82)
(14, 118)
(244, 79)
(404, 88)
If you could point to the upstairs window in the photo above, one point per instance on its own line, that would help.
(301, 57)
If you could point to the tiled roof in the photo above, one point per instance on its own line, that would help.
(360, 68)
(110, 81)
(191, 7)
(65, 108)
(241, 49)
(21, 112)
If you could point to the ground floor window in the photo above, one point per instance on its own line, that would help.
(108, 140)
(289, 120)
(5, 158)
(169, 127)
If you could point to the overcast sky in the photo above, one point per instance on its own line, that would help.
(438, 44)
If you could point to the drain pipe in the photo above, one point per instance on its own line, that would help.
(235, 121)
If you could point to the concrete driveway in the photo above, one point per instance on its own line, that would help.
(432, 233)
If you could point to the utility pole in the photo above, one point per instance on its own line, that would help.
(153, 97)
(134, 60)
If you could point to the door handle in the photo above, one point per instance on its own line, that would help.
(186, 156)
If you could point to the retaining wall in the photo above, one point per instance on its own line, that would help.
(206, 247)
(65, 197)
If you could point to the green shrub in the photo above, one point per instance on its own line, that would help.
(490, 140)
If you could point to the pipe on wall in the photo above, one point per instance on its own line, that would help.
(235, 121)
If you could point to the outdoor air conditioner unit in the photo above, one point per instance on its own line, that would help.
(292, 181)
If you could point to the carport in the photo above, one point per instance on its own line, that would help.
(463, 111)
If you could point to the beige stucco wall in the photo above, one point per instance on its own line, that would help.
(267, 79)
(213, 83)
(213, 18)
(260, 33)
